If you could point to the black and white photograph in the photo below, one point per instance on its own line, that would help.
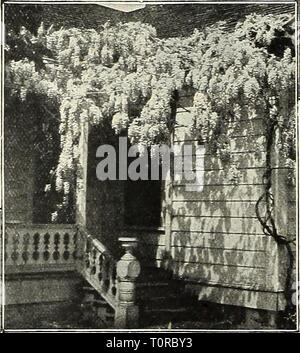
(149, 168)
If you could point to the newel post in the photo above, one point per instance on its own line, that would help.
(128, 270)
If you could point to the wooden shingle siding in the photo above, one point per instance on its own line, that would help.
(234, 275)
(215, 256)
(247, 176)
(215, 209)
(219, 193)
(214, 162)
(250, 297)
(225, 225)
(216, 238)
(234, 242)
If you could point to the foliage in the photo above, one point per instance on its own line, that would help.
(249, 84)
(124, 73)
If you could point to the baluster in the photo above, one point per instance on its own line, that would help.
(81, 243)
(114, 288)
(93, 261)
(62, 247)
(75, 253)
(56, 253)
(105, 269)
(66, 253)
(88, 247)
(51, 247)
(6, 248)
(26, 243)
(46, 253)
(36, 246)
(97, 265)
(100, 274)
(112, 275)
(79, 253)
(15, 248)
(102, 269)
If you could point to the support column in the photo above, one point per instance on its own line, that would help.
(81, 181)
(128, 270)
(81, 187)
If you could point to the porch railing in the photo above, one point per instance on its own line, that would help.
(33, 248)
(38, 248)
(98, 267)
(114, 280)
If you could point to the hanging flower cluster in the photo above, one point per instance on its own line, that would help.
(126, 74)
(236, 78)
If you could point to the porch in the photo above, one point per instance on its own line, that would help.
(211, 248)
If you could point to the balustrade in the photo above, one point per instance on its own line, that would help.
(40, 248)
(56, 247)
(98, 267)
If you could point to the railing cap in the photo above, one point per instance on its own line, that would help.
(128, 239)
(128, 243)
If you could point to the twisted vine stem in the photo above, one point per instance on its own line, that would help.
(267, 221)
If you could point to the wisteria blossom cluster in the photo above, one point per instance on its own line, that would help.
(127, 75)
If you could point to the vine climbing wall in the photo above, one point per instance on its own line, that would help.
(217, 243)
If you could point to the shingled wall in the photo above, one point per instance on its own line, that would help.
(217, 243)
